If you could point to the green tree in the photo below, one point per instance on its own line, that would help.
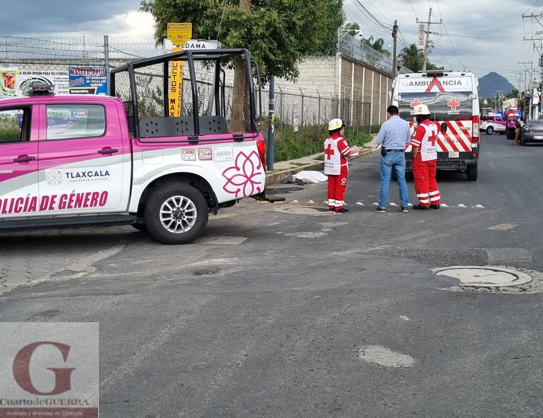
(411, 57)
(376, 44)
(278, 33)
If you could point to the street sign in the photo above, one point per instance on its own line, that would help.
(201, 44)
(179, 33)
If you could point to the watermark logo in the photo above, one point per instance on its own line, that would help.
(49, 370)
(53, 177)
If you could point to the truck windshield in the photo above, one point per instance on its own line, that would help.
(444, 106)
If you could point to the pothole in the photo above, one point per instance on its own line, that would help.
(206, 272)
(303, 210)
(494, 279)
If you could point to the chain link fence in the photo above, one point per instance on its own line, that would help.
(355, 48)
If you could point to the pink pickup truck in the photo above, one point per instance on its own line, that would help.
(77, 161)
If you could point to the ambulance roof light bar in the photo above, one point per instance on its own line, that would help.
(41, 90)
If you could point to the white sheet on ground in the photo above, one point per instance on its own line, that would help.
(310, 176)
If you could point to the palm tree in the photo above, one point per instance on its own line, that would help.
(376, 44)
(411, 58)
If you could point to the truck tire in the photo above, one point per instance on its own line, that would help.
(473, 172)
(176, 213)
(489, 130)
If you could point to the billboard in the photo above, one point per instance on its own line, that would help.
(88, 80)
(59, 79)
(8, 82)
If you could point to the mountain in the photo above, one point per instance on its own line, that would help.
(493, 82)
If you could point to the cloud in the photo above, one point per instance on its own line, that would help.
(99, 17)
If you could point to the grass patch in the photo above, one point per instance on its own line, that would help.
(290, 145)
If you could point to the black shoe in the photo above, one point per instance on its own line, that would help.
(379, 209)
(435, 206)
(419, 207)
(342, 210)
(404, 209)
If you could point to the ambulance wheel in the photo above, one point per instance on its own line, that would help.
(176, 213)
(489, 130)
(472, 171)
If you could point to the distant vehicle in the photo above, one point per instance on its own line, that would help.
(532, 132)
(493, 122)
(452, 99)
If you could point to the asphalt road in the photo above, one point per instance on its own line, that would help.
(269, 320)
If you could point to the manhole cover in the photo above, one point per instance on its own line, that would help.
(485, 276)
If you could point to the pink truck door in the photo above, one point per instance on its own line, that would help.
(84, 164)
(18, 162)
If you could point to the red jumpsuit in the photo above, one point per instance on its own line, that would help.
(336, 168)
(425, 164)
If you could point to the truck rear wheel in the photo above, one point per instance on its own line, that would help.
(176, 213)
(473, 172)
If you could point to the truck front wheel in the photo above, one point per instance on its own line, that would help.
(176, 214)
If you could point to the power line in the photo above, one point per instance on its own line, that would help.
(415, 13)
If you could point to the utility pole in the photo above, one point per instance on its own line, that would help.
(427, 45)
(395, 45)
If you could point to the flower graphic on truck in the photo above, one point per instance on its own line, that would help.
(245, 177)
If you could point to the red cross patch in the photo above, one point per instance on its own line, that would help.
(414, 103)
(329, 151)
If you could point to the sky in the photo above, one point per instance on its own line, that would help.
(476, 35)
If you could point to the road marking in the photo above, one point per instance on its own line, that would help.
(394, 204)
(360, 203)
(479, 206)
(385, 357)
(502, 227)
(307, 235)
(461, 205)
(221, 240)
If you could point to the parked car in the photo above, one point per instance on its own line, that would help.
(79, 161)
(532, 132)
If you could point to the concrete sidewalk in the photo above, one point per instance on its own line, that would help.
(284, 169)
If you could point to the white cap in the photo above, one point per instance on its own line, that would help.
(335, 124)
(421, 110)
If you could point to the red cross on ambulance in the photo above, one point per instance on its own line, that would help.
(453, 104)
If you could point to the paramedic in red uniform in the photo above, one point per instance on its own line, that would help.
(336, 151)
(425, 160)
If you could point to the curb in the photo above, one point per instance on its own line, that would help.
(277, 176)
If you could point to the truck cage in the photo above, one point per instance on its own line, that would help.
(193, 126)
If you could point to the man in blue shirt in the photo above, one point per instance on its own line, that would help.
(393, 137)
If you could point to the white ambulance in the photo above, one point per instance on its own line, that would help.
(453, 100)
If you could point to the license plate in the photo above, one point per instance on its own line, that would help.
(538, 137)
(453, 154)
